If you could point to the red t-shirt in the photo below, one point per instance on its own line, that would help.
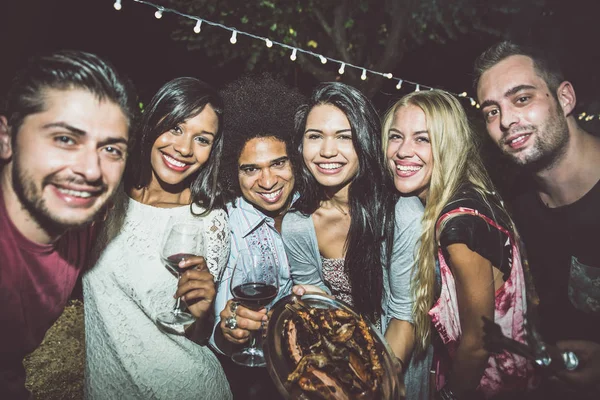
(35, 283)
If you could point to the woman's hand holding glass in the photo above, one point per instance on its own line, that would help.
(196, 286)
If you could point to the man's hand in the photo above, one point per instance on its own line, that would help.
(246, 320)
(587, 374)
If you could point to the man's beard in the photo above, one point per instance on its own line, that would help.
(547, 150)
(34, 203)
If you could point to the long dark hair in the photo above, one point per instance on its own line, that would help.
(177, 101)
(371, 199)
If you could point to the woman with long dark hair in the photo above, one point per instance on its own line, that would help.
(172, 172)
(347, 236)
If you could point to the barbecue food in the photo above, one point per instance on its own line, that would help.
(333, 352)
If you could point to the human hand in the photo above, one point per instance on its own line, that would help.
(196, 286)
(246, 320)
(300, 290)
(587, 373)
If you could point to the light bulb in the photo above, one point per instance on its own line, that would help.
(117, 5)
(463, 94)
(293, 56)
(389, 75)
(323, 59)
(399, 85)
(364, 74)
(233, 39)
(268, 43)
(158, 14)
(342, 67)
(418, 88)
(472, 102)
(198, 26)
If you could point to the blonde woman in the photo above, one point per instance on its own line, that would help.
(432, 153)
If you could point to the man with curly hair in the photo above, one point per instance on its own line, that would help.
(259, 161)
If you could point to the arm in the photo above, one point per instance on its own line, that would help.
(407, 231)
(302, 251)
(475, 292)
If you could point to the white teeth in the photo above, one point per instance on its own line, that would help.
(407, 168)
(330, 166)
(174, 161)
(76, 193)
(272, 196)
(518, 140)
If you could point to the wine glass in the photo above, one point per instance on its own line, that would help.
(254, 284)
(183, 239)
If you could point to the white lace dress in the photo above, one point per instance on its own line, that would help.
(127, 356)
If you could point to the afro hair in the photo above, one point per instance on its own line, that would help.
(256, 106)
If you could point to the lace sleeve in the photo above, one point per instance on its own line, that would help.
(217, 238)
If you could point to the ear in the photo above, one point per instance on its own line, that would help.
(566, 97)
(5, 143)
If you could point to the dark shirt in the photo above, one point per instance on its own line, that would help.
(553, 237)
(35, 283)
(476, 233)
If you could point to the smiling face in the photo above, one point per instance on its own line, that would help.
(181, 151)
(265, 175)
(67, 161)
(408, 153)
(327, 147)
(522, 116)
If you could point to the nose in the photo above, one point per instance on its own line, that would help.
(88, 165)
(267, 179)
(329, 147)
(184, 145)
(405, 149)
(507, 119)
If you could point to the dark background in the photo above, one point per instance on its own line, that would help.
(141, 47)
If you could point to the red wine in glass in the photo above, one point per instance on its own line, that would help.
(254, 295)
(172, 262)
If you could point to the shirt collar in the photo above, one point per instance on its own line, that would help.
(249, 217)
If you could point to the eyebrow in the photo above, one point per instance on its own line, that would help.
(80, 132)
(320, 131)
(271, 162)
(414, 133)
(508, 93)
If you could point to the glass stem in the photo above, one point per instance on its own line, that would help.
(177, 309)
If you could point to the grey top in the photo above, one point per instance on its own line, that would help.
(300, 241)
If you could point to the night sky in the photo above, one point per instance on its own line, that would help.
(140, 45)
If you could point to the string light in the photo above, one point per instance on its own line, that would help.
(117, 5)
(198, 26)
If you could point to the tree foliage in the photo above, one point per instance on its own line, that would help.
(373, 34)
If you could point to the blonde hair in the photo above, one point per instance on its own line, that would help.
(455, 151)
